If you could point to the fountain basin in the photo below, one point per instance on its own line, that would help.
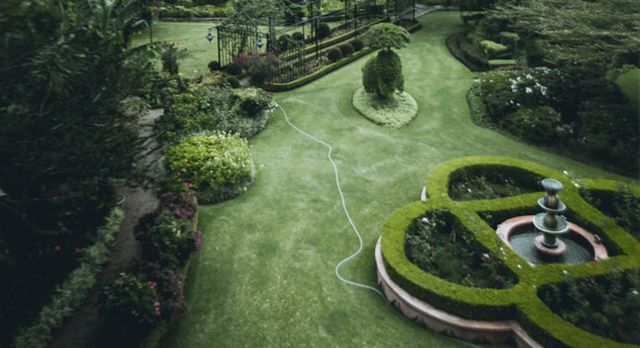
(520, 235)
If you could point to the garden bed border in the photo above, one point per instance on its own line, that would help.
(521, 302)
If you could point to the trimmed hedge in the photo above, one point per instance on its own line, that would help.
(281, 87)
(520, 302)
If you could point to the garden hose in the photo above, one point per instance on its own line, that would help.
(351, 223)
(344, 207)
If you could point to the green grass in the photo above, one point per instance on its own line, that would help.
(629, 82)
(265, 276)
(191, 35)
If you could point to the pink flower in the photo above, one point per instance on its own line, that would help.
(593, 281)
(486, 256)
(425, 220)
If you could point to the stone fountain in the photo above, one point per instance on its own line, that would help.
(550, 223)
(548, 237)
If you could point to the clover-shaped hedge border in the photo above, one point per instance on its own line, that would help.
(521, 302)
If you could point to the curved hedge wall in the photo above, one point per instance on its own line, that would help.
(520, 302)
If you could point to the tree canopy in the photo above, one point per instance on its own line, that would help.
(579, 31)
(387, 36)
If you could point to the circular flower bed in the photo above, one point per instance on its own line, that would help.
(394, 113)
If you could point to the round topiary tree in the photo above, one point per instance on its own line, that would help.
(214, 65)
(335, 54)
(323, 31)
(357, 44)
(346, 49)
(382, 75)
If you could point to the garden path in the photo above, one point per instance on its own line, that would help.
(83, 328)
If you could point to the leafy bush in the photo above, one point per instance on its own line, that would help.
(357, 45)
(539, 125)
(253, 100)
(129, 304)
(214, 65)
(212, 163)
(323, 31)
(163, 238)
(346, 49)
(261, 67)
(621, 205)
(494, 49)
(70, 295)
(182, 205)
(284, 41)
(233, 82)
(438, 245)
(608, 306)
(297, 36)
(169, 286)
(170, 60)
(466, 52)
(234, 69)
(335, 54)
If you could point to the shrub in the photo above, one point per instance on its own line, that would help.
(357, 45)
(253, 100)
(169, 286)
(323, 31)
(260, 66)
(212, 163)
(608, 306)
(234, 69)
(494, 49)
(163, 238)
(346, 49)
(232, 81)
(297, 36)
(170, 60)
(129, 304)
(182, 205)
(382, 74)
(437, 243)
(283, 42)
(214, 65)
(335, 54)
(539, 124)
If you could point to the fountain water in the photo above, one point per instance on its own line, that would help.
(548, 237)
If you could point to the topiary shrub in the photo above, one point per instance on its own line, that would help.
(494, 49)
(232, 81)
(357, 45)
(334, 55)
(297, 36)
(346, 49)
(323, 31)
(130, 306)
(234, 69)
(284, 41)
(214, 65)
(216, 165)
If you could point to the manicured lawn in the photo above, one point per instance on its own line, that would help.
(265, 276)
(187, 35)
(630, 84)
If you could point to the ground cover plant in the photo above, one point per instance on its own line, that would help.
(622, 205)
(480, 183)
(439, 245)
(606, 305)
(268, 252)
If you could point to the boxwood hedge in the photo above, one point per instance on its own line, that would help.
(520, 302)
